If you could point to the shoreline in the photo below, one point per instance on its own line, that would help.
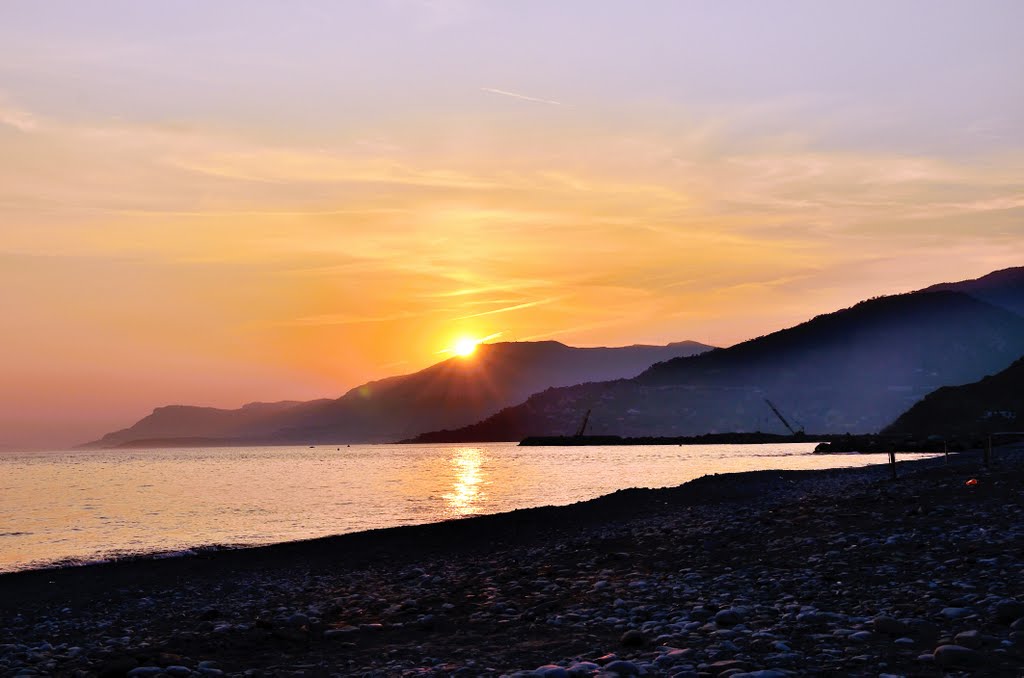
(827, 443)
(100, 550)
(623, 503)
(490, 595)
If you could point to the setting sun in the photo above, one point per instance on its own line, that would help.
(464, 347)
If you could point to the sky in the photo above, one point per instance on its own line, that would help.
(219, 202)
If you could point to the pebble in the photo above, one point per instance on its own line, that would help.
(889, 626)
(298, 620)
(633, 638)
(1009, 610)
(957, 656)
(582, 669)
(728, 618)
(726, 665)
(622, 667)
(956, 612)
(975, 639)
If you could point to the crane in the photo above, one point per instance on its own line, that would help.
(583, 426)
(798, 432)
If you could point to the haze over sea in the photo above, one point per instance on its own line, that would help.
(111, 503)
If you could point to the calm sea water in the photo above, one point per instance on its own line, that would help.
(80, 506)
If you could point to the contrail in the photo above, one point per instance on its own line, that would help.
(528, 304)
(514, 95)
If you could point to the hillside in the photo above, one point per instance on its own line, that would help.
(995, 403)
(853, 371)
(1003, 288)
(181, 421)
(451, 393)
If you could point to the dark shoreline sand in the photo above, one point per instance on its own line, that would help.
(815, 568)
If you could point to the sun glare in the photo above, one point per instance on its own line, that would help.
(464, 347)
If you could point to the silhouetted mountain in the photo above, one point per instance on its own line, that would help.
(210, 423)
(1001, 288)
(996, 403)
(451, 393)
(853, 370)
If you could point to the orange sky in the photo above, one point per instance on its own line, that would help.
(176, 231)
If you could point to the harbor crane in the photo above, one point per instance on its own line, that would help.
(797, 432)
(583, 426)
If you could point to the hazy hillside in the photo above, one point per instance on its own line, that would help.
(854, 370)
(996, 403)
(449, 394)
(174, 421)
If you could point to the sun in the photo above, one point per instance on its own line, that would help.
(464, 347)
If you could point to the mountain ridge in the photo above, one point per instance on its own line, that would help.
(871, 362)
(1004, 288)
(455, 391)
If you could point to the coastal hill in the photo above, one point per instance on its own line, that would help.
(995, 403)
(178, 422)
(854, 371)
(451, 393)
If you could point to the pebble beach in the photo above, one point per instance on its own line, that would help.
(776, 573)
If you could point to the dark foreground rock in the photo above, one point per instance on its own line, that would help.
(769, 574)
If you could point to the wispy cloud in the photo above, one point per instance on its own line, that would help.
(214, 214)
(302, 166)
(568, 330)
(516, 95)
(993, 204)
(488, 302)
(349, 319)
(19, 119)
(507, 309)
(510, 286)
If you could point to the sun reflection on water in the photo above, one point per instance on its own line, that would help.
(466, 493)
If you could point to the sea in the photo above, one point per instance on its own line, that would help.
(65, 508)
